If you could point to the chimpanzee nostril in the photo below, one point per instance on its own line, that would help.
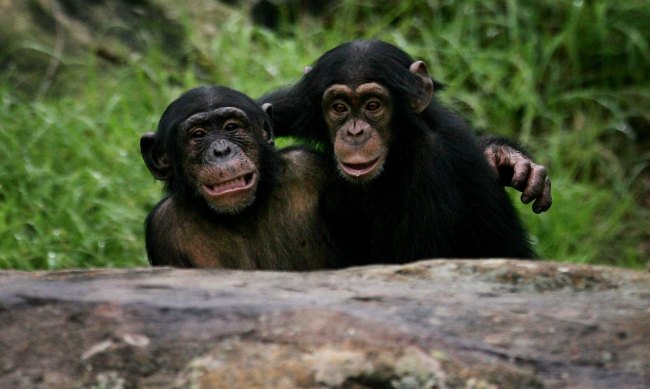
(221, 150)
(355, 131)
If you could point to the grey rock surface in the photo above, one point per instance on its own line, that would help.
(436, 324)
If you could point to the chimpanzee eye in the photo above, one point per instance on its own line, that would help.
(373, 106)
(339, 107)
(199, 133)
(231, 126)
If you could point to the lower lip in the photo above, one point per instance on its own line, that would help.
(213, 193)
(359, 172)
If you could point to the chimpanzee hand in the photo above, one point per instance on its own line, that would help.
(519, 171)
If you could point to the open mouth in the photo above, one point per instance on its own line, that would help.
(360, 169)
(231, 186)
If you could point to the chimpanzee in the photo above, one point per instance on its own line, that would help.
(414, 182)
(232, 200)
(513, 164)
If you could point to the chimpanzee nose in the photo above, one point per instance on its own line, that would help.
(358, 131)
(221, 149)
(355, 131)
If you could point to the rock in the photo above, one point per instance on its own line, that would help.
(431, 324)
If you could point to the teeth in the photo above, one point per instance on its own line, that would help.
(232, 184)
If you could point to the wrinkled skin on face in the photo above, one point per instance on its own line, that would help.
(215, 160)
(208, 149)
(358, 120)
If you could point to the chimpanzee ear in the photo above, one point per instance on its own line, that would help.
(306, 70)
(268, 128)
(422, 100)
(156, 160)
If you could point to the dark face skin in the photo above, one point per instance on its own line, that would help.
(209, 148)
(358, 120)
(220, 158)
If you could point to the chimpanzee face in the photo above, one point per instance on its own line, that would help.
(209, 145)
(221, 157)
(358, 120)
(365, 88)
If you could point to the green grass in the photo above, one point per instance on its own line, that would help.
(565, 78)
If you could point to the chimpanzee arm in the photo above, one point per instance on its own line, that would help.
(285, 110)
(517, 169)
(162, 246)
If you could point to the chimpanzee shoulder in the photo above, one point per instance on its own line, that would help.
(307, 165)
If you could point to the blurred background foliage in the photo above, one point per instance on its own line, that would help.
(81, 81)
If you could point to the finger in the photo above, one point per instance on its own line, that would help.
(543, 202)
(522, 170)
(536, 182)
